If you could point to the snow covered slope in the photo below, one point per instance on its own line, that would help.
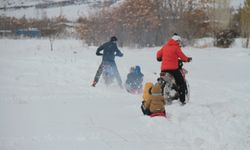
(46, 102)
(76, 9)
(71, 9)
(13, 3)
(72, 12)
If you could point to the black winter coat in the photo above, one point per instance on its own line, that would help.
(110, 50)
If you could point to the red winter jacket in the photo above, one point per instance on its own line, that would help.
(169, 55)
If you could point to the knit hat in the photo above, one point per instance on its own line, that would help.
(176, 37)
(113, 38)
(137, 69)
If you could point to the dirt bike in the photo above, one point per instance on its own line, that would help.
(171, 89)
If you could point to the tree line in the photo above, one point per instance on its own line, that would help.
(150, 22)
(48, 26)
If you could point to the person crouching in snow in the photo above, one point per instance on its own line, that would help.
(153, 103)
(134, 80)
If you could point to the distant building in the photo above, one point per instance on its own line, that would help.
(29, 32)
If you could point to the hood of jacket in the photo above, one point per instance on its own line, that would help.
(172, 42)
(156, 90)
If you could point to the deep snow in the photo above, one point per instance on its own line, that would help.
(47, 103)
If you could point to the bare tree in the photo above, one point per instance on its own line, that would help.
(245, 21)
(52, 39)
(220, 14)
(147, 22)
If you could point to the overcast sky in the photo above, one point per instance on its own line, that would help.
(236, 2)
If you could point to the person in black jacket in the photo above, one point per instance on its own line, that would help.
(110, 50)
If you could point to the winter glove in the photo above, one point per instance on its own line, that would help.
(99, 54)
(159, 59)
(119, 54)
(189, 59)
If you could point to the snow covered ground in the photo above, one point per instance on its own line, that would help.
(46, 102)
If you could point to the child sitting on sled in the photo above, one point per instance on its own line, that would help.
(134, 80)
(153, 101)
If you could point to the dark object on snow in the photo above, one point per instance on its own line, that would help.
(225, 38)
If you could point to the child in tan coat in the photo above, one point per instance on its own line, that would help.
(153, 100)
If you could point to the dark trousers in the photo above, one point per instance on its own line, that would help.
(145, 111)
(114, 67)
(179, 81)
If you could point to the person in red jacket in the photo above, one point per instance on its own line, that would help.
(169, 55)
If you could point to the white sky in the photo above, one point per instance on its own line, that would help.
(237, 2)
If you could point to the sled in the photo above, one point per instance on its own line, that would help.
(134, 91)
(160, 114)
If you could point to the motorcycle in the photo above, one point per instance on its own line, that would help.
(171, 89)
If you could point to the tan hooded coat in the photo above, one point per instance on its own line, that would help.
(154, 101)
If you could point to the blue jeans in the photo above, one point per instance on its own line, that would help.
(114, 69)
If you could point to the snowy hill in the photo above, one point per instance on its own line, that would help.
(16, 3)
(71, 9)
(46, 102)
